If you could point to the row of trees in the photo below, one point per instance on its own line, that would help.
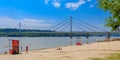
(8, 30)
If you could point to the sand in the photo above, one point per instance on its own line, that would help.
(83, 52)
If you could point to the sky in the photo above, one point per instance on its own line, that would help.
(43, 14)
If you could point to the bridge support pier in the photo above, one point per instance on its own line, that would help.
(71, 38)
(87, 37)
(108, 36)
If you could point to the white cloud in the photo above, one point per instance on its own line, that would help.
(68, 5)
(56, 3)
(46, 1)
(27, 23)
(74, 6)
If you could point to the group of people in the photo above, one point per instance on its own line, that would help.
(26, 50)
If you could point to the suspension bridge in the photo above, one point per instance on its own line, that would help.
(72, 26)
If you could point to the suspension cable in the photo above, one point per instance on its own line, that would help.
(90, 25)
(79, 27)
(90, 29)
(65, 26)
(58, 24)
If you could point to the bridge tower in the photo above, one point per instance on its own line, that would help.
(71, 27)
(71, 35)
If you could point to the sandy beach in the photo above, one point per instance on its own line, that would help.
(84, 52)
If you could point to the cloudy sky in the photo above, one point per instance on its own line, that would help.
(42, 14)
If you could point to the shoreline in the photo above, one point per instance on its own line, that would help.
(84, 52)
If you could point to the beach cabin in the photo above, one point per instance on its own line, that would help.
(14, 47)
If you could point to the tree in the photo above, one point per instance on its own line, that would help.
(112, 6)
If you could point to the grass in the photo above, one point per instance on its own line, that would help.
(115, 56)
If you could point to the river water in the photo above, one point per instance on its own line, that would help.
(36, 43)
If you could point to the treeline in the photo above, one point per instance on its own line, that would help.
(14, 34)
(28, 33)
(8, 30)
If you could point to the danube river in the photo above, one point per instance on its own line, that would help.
(36, 43)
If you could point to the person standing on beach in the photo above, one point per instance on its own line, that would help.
(26, 49)
(21, 48)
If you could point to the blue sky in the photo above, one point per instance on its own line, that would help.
(42, 14)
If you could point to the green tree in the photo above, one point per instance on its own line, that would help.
(112, 6)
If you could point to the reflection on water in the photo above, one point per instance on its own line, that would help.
(43, 42)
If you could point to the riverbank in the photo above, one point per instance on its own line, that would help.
(83, 52)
